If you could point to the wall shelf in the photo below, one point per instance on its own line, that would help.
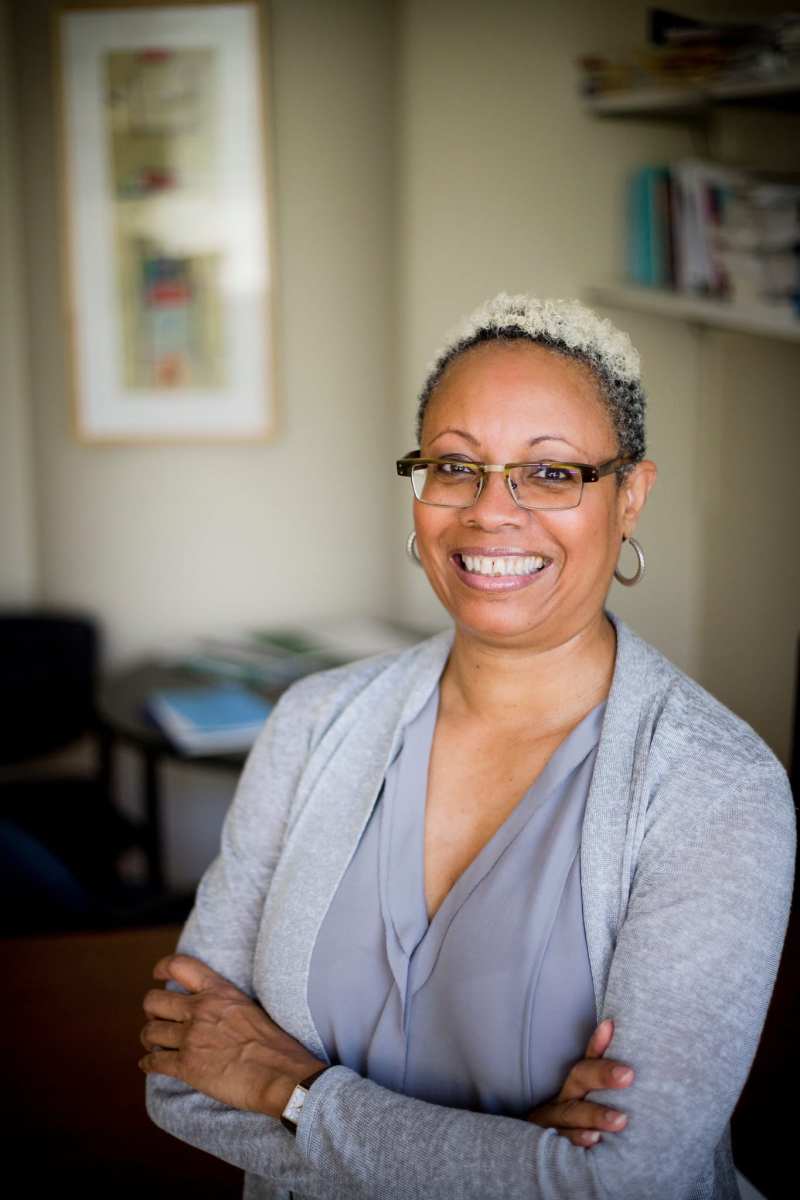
(649, 102)
(761, 319)
(781, 92)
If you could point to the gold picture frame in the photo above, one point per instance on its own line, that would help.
(167, 220)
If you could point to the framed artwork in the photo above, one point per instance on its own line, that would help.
(167, 211)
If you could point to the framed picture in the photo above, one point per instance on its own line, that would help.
(167, 212)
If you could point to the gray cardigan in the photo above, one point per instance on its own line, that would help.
(687, 857)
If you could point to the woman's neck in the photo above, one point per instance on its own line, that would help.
(552, 687)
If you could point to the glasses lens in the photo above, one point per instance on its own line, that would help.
(546, 485)
(450, 484)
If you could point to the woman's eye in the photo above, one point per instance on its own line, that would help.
(453, 470)
(549, 473)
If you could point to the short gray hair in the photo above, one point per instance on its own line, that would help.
(567, 327)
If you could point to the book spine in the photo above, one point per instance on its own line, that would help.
(634, 229)
(640, 228)
(659, 217)
(670, 216)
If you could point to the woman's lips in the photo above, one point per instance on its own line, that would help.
(496, 583)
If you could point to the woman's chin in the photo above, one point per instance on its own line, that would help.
(506, 622)
(501, 605)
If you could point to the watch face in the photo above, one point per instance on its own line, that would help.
(294, 1105)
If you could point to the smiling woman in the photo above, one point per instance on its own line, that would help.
(451, 878)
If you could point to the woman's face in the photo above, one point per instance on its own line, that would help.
(502, 403)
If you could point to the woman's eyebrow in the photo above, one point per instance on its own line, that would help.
(461, 433)
(552, 437)
(544, 437)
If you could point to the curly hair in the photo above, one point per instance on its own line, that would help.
(566, 327)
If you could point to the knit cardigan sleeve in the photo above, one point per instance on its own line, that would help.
(222, 930)
(692, 972)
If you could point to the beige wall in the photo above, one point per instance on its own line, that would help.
(507, 184)
(749, 611)
(18, 559)
(165, 542)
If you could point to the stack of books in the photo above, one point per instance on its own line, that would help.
(683, 53)
(759, 244)
(223, 718)
(706, 229)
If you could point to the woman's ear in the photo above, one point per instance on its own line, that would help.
(634, 492)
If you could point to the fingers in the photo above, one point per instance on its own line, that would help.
(167, 1035)
(592, 1074)
(190, 972)
(171, 1006)
(571, 1114)
(580, 1137)
(586, 1115)
(580, 1116)
(160, 1062)
(601, 1039)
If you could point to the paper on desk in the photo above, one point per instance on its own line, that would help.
(360, 637)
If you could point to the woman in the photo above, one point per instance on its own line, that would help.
(443, 868)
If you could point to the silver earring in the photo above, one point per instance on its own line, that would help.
(411, 549)
(632, 580)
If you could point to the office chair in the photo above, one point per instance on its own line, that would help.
(62, 836)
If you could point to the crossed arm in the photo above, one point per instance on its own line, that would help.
(690, 981)
(213, 1037)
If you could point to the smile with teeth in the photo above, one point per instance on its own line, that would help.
(499, 564)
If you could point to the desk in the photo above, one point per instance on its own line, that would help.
(122, 716)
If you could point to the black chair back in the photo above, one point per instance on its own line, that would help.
(48, 666)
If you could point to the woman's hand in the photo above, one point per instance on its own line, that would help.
(219, 1041)
(570, 1113)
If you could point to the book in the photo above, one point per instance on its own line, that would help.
(218, 719)
(650, 250)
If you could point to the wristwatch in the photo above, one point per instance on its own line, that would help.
(294, 1105)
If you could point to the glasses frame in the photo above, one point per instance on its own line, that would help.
(588, 472)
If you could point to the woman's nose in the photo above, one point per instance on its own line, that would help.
(495, 505)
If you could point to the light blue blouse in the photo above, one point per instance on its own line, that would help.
(489, 1004)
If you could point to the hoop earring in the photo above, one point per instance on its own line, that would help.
(632, 580)
(411, 549)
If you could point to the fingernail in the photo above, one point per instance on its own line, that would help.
(591, 1138)
(622, 1074)
(613, 1117)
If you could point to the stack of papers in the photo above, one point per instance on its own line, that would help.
(272, 659)
(220, 719)
(360, 637)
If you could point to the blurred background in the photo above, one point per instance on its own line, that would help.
(423, 157)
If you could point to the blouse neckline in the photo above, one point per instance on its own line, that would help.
(414, 941)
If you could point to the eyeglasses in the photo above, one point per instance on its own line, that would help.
(457, 483)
